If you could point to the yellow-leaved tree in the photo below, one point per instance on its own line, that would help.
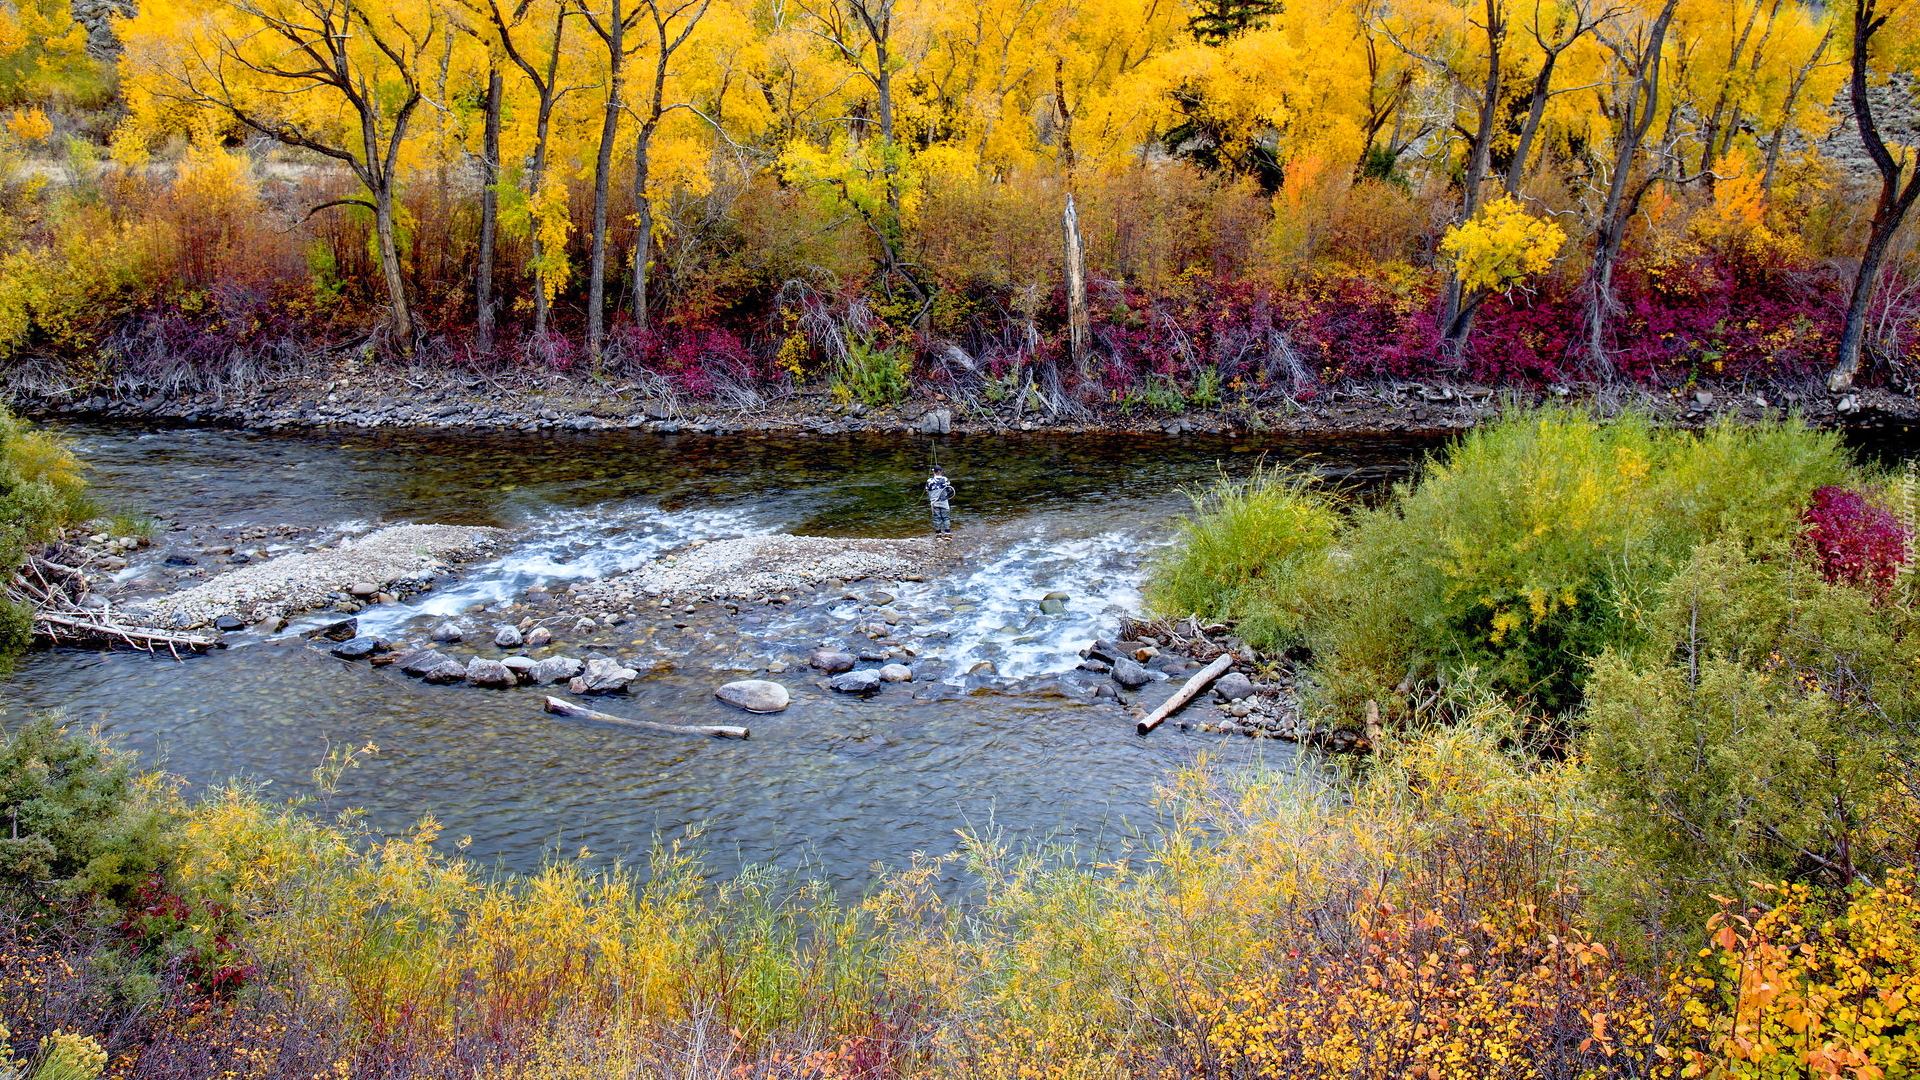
(1499, 248)
(343, 79)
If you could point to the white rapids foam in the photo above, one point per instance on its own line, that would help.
(1101, 574)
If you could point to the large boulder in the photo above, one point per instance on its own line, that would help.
(1233, 686)
(507, 636)
(491, 673)
(448, 673)
(1128, 673)
(855, 682)
(446, 633)
(605, 676)
(754, 695)
(555, 669)
(831, 661)
(421, 661)
(521, 666)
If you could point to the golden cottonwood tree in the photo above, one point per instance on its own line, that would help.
(343, 79)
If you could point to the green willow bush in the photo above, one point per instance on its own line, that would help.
(1537, 542)
(41, 492)
(76, 824)
(1767, 729)
(1247, 553)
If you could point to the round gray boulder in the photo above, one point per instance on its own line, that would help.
(855, 682)
(754, 695)
(831, 661)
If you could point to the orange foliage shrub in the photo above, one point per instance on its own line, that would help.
(1801, 992)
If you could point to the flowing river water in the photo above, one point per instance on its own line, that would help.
(834, 786)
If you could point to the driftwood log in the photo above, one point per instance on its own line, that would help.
(580, 712)
(1186, 693)
(54, 592)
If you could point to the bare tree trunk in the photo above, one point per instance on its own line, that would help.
(1643, 97)
(1888, 213)
(643, 240)
(489, 215)
(388, 241)
(1079, 328)
(1458, 315)
(614, 36)
(1794, 87)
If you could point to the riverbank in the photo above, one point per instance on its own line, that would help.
(358, 395)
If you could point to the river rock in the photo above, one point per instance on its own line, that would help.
(449, 672)
(421, 661)
(896, 673)
(1233, 686)
(361, 590)
(937, 422)
(1130, 674)
(491, 673)
(344, 630)
(357, 649)
(227, 624)
(539, 637)
(604, 676)
(831, 661)
(521, 666)
(508, 636)
(1053, 606)
(855, 682)
(1098, 667)
(984, 667)
(1104, 651)
(754, 695)
(446, 633)
(555, 669)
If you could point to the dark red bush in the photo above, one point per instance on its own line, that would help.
(1857, 542)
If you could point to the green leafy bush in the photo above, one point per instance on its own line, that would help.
(1760, 732)
(1537, 542)
(40, 493)
(75, 824)
(873, 376)
(1252, 551)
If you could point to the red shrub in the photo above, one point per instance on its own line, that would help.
(1857, 542)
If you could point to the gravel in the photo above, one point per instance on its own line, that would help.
(759, 565)
(301, 582)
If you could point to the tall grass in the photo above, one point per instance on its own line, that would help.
(1251, 552)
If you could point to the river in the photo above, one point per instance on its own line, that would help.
(835, 786)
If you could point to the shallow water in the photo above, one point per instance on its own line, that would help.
(836, 785)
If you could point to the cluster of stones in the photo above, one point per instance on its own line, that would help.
(596, 675)
(846, 679)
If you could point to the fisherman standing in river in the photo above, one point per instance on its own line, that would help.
(939, 491)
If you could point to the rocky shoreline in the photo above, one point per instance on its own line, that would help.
(362, 396)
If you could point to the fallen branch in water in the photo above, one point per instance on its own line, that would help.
(53, 591)
(1186, 693)
(581, 712)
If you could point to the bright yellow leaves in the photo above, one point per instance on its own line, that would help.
(30, 126)
(1502, 245)
(1796, 992)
